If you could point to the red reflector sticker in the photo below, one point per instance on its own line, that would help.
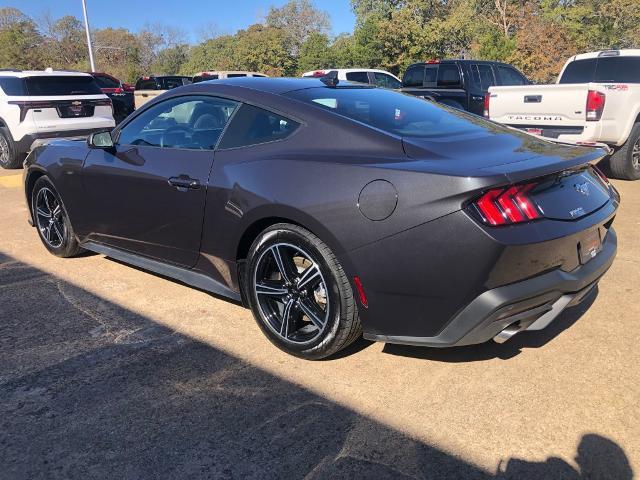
(360, 290)
(534, 131)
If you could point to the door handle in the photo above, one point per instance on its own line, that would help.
(184, 183)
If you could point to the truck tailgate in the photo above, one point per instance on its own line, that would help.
(539, 105)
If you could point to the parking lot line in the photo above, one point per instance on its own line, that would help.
(11, 181)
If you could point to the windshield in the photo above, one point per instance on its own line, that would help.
(393, 112)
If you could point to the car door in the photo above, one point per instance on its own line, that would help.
(147, 194)
(482, 77)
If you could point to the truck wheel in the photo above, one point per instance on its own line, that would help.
(625, 162)
(9, 157)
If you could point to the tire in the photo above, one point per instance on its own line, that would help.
(9, 156)
(314, 293)
(52, 221)
(625, 162)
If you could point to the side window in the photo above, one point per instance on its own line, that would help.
(414, 76)
(185, 122)
(385, 81)
(449, 75)
(483, 76)
(362, 77)
(508, 76)
(253, 125)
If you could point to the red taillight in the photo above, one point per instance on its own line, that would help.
(487, 98)
(360, 290)
(506, 206)
(595, 105)
(602, 176)
(319, 73)
(432, 62)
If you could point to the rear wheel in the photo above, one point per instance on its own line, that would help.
(625, 162)
(9, 157)
(299, 293)
(51, 219)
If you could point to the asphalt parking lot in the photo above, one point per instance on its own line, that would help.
(107, 371)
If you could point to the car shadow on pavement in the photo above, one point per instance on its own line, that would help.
(89, 389)
(505, 351)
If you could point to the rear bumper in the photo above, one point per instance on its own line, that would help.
(26, 143)
(531, 304)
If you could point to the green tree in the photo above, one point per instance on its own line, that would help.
(117, 51)
(170, 60)
(264, 49)
(20, 43)
(298, 19)
(214, 54)
(315, 53)
(65, 45)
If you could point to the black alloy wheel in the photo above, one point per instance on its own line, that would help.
(51, 219)
(299, 294)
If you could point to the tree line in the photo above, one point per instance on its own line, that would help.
(536, 36)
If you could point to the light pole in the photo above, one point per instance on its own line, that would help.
(86, 27)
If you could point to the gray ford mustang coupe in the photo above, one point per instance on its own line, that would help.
(335, 210)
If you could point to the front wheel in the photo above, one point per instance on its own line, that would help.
(625, 162)
(51, 219)
(299, 294)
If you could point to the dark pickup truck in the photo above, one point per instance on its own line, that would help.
(459, 83)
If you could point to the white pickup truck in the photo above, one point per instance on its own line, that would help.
(595, 100)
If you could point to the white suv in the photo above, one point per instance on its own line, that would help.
(373, 76)
(40, 105)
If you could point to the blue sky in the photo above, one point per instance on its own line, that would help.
(193, 16)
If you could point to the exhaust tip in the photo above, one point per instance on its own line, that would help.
(507, 333)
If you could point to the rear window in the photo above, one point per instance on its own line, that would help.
(106, 82)
(449, 75)
(362, 77)
(204, 78)
(61, 85)
(13, 86)
(146, 84)
(392, 112)
(235, 75)
(173, 82)
(579, 71)
(603, 69)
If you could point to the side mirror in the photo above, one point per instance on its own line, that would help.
(101, 140)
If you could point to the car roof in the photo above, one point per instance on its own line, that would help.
(42, 73)
(275, 85)
(627, 52)
(226, 72)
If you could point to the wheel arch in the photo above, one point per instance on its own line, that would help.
(31, 178)
(259, 223)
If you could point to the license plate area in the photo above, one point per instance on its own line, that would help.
(74, 111)
(589, 246)
(534, 131)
